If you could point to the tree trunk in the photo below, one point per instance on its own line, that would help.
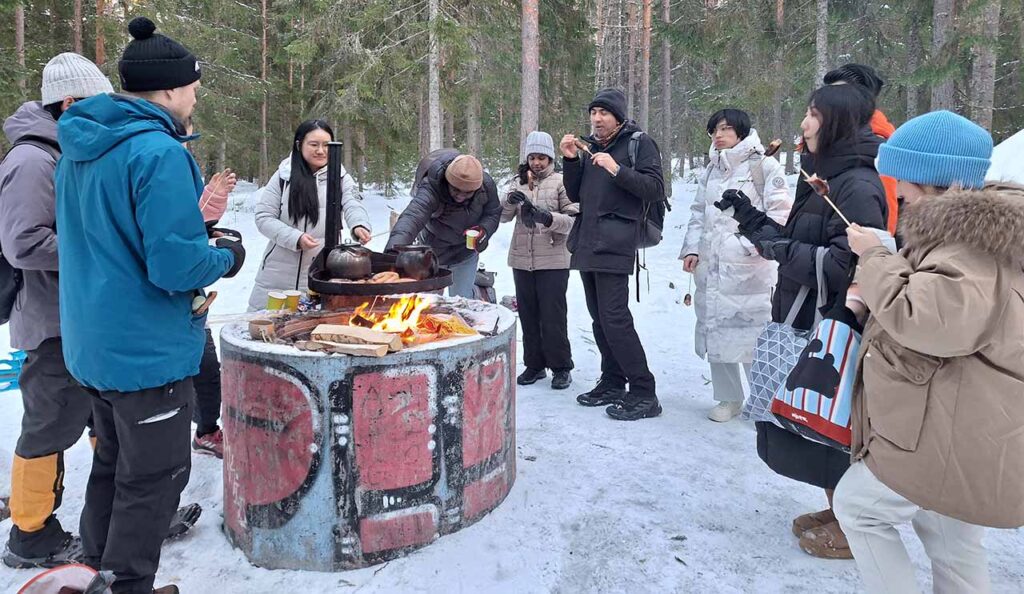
(76, 27)
(634, 48)
(666, 98)
(791, 157)
(434, 82)
(821, 42)
(474, 136)
(424, 125)
(264, 159)
(645, 66)
(346, 139)
(599, 40)
(19, 44)
(449, 129)
(361, 145)
(101, 40)
(530, 116)
(942, 34)
(913, 62)
(983, 68)
(778, 95)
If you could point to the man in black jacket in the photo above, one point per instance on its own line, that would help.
(455, 195)
(612, 192)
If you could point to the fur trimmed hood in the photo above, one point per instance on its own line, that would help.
(991, 220)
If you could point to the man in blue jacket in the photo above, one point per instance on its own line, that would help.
(134, 255)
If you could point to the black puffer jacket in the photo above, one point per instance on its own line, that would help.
(433, 218)
(606, 233)
(854, 186)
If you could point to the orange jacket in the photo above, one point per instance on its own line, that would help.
(880, 125)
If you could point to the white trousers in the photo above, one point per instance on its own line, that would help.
(869, 512)
(727, 381)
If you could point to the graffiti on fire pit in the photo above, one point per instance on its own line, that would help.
(273, 457)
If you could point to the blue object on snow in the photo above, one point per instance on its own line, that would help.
(10, 371)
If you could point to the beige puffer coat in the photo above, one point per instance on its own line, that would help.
(542, 248)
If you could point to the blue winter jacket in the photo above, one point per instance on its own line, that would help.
(133, 246)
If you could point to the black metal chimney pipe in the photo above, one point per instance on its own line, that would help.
(333, 223)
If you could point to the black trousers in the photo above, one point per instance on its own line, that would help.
(56, 412)
(207, 384)
(540, 297)
(139, 469)
(623, 360)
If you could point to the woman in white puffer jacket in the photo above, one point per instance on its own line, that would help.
(292, 212)
(734, 284)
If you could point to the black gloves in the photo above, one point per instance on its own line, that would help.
(743, 211)
(542, 216)
(213, 232)
(771, 249)
(516, 197)
(237, 251)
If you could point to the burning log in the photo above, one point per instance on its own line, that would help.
(356, 335)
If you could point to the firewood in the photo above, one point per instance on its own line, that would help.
(356, 335)
(358, 350)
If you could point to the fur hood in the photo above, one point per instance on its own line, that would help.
(991, 220)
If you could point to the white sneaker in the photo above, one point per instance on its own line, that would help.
(723, 412)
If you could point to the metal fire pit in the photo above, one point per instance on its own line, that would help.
(334, 462)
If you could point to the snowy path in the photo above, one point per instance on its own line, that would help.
(674, 504)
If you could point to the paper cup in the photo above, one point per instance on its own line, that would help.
(276, 300)
(292, 300)
(471, 236)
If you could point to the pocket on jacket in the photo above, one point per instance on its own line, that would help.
(615, 235)
(896, 385)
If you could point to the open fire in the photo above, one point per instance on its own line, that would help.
(410, 318)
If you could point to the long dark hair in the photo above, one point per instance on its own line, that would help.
(303, 198)
(844, 109)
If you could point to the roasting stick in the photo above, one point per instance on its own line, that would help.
(824, 194)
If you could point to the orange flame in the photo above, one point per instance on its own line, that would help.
(402, 318)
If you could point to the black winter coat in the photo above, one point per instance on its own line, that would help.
(606, 233)
(433, 217)
(856, 189)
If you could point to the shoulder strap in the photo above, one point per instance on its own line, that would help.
(43, 144)
(634, 147)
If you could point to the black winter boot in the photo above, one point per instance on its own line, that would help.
(634, 408)
(604, 394)
(69, 551)
(531, 376)
(562, 379)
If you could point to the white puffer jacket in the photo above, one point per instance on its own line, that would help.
(733, 298)
(283, 265)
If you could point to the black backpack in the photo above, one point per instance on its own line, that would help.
(11, 279)
(654, 212)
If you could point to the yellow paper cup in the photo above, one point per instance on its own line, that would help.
(471, 236)
(292, 300)
(276, 300)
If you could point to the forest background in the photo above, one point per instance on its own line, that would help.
(397, 78)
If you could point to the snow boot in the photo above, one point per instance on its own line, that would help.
(183, 521)
(604, 394)
(813, 520)
(723, 412)
(70, 551)
(561, 380)
(531, 376)
(634, 408)
(826, 542)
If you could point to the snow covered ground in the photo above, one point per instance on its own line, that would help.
(673, 504)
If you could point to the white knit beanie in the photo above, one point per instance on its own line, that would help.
(72, 75)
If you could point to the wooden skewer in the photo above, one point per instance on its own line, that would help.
(829, 200)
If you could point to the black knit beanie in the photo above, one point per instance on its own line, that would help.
(153, 62)
(611, 99)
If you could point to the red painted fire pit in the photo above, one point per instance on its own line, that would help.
(336, 462)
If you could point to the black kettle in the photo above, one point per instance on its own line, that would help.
(349, 261)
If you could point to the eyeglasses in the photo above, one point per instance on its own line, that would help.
(721, 129)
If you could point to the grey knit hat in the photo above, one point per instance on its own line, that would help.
(539, 143)
(72, 75)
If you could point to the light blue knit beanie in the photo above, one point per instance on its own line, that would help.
(940, 149)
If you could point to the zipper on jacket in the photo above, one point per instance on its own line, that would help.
(267, 257)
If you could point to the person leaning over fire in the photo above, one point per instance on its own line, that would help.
(292, 213)
(540, 261)
(452, 194)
